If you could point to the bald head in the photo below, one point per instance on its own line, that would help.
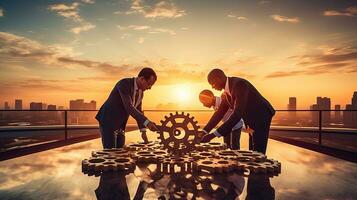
(217, 79)
(207, 98)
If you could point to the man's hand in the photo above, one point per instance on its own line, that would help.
(152, 126)
(144, 137)
(208, 138)
(249, 130)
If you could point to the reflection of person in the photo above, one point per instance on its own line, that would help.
(125, 99)
(208, 100)
(247, 103)
(112, 185)
(259, 187)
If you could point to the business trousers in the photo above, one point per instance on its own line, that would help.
(233, 139)
(109, 139)
(260, 137)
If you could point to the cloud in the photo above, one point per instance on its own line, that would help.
(148, 28)
(141, 40)
(237, 17)
(329, 60)
(133, 27)
(350, 12)
(71, 11)
(162, 9)
(1, 12)
(68, 11)
(81, 28)
(242, 18)
(88, 1)
(281, 18)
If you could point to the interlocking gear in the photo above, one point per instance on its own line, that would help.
(179, 149)
(179, 133)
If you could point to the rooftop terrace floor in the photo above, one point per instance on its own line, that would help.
(56, 174)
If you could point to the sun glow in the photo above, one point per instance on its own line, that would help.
(183, 93)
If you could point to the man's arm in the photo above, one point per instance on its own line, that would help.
(241, 93)
(124, 92)
(217, 116)
(141, 125)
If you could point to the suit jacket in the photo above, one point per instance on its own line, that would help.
(246, 102)
(116, 109)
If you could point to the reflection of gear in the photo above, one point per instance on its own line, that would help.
(178, 133)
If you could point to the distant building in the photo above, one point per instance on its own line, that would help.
(350, 117)
(6, 106)
(322, 103)
(51, 107)
(292, 103)
(79, 104)
(18, 104)
(37, 106)
(338, 116)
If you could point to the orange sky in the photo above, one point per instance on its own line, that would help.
(57, 52)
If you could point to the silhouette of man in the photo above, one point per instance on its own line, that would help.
(208, 100)
(246, 102)
(125, 99)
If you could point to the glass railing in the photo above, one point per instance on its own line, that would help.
(22, 128)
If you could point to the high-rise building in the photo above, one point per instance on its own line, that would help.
(323, 104)
(79, 104)
(36, 106)
(292, 103)
(18, 104)
(6, 106)
(349, 116)
(51, 107)
(354, 100)
(338, 115)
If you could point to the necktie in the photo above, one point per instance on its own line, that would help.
(136, 97)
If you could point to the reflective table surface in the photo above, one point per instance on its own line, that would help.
(57, 174)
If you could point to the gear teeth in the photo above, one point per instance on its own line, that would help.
(176, 113)
(162, 122)
(171, 115)
(166, 117)
(182, 113)
(188, 114)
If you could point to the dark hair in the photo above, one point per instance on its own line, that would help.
(147, 73)
(215, 73)
(204, 94)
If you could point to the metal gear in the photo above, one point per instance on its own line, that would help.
(179, 133)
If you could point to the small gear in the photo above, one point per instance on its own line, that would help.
(108, 163)
(215, 165)
(149, 156)
(179, 133)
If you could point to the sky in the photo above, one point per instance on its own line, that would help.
(56, 51)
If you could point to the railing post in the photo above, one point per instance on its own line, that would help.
(65, 125)
(320, 126)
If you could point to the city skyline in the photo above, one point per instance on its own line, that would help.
(322, 103)
(56, 51)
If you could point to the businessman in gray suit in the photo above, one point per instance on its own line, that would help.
(125, 99)
(247, 103)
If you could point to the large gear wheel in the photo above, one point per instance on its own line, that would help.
(179, 133)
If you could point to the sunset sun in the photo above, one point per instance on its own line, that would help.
(183, 93)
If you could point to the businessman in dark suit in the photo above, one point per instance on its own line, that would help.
(247, 103)
(125, 99)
